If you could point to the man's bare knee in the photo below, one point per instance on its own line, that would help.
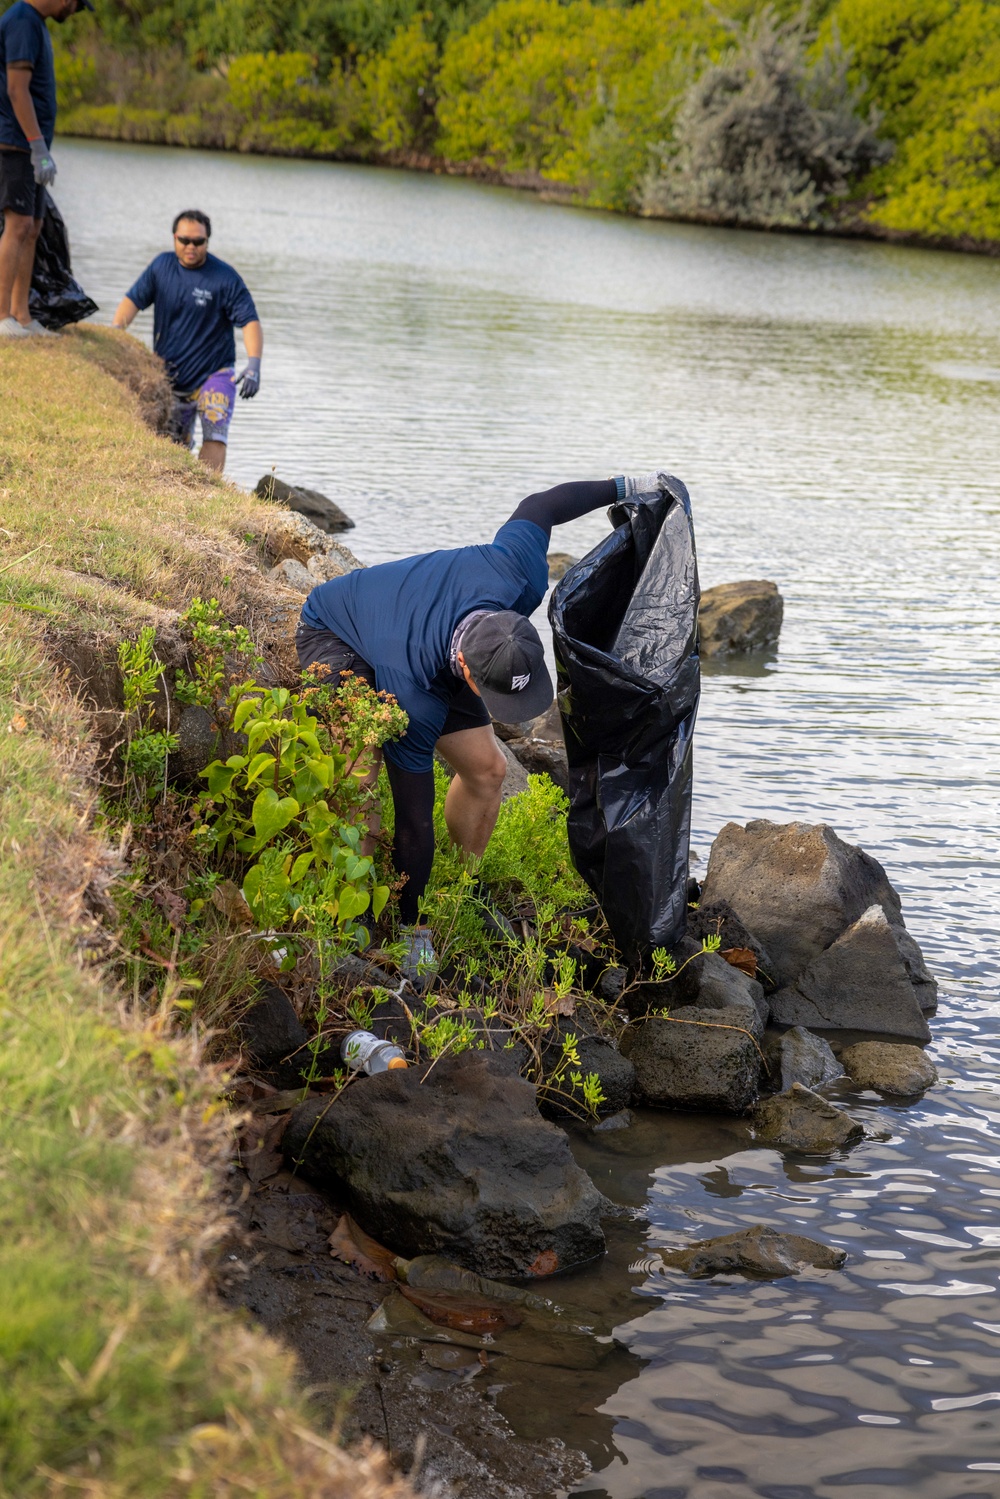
(487, 780)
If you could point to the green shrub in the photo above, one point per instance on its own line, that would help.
(399, 88)
(765, 136)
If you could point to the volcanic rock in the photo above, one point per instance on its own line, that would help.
(801, 1120)
(453, 1159)
(736, 618)
(758, 1250)
(859, 983)
(797, 1056)
(324, 513)
(900, 1071)
(700, 1059)
(274, 1037)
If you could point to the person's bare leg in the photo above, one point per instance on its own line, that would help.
(473, 801)
(213, 456)
(17, 236)
(22, 278)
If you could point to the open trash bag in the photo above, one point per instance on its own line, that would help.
(625, 628)
(55, 299)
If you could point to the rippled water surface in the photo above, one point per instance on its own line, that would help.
(436, 350)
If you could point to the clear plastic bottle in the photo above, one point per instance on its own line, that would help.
(363, 1051)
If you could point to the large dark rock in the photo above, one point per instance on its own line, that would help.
(757, 1250)
(703, 979)
(453, 1159)
(324, 513)
(859, 983)
(798, 888)
(802, 1120)
(698, 1059)
(899, 1071)
(797, 1056)
(736, 618)
(274, 1037)
(200, 740)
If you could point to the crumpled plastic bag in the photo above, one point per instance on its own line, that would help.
(55, 298)
(625, 630)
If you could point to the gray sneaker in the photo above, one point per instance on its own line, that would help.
(420, 960)
(35, 328)
(11, 328)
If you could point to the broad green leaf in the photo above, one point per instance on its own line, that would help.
(380, 894)
(300, 868)
(272, 813)
(258, 765)
(243, 711)
(351, 904)
(220, 778)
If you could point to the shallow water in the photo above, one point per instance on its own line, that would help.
(435, 350)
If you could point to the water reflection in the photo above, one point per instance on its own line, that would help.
(438, 349)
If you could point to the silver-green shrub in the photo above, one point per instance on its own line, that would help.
(766, 136)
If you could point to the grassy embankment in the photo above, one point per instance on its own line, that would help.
(593, 100)
(119, 1375)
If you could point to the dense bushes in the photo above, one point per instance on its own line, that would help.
(765, 136)
(656, 106)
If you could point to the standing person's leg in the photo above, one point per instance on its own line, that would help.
(473, 802)
(215, 407)
(17, 259)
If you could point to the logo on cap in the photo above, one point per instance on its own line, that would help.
(519, 683)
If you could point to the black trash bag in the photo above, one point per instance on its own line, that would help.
(625, 627)
(55, 299)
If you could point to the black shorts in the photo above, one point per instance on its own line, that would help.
(19, 192)
(316, 646)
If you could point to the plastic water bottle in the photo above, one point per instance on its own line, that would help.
(363, 1051)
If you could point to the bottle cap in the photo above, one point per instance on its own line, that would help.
(395, 1063)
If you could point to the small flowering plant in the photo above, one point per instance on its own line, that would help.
(291, 809)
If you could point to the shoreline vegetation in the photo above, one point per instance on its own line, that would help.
(873, 118)
(122, 1373)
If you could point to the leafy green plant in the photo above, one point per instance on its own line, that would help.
(146, 749)
(215, 642)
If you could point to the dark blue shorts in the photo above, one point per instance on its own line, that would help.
(19, 192)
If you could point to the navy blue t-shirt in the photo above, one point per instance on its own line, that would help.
(24, 37)
(400, 617)
(195, 312)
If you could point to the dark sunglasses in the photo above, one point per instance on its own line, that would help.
(201, 239)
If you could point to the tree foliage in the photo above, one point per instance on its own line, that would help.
(766, 135)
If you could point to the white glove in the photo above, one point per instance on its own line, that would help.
(646, 483)
(42, 163)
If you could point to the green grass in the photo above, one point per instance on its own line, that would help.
(119, 1373)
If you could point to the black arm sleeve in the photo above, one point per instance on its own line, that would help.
(554, 507)
(413, 838)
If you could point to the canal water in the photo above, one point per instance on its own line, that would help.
(436, 349)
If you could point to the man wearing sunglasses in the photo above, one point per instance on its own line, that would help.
(198, 301)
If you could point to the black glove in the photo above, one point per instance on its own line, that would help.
(249, 380)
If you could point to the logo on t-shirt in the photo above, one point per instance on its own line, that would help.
(518, 683)
(202, 295)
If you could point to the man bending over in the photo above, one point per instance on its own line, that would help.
(448, 634)
(198, 300)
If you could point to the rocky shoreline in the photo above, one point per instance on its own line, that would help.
(796, 973)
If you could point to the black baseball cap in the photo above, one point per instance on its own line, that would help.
(505, 656)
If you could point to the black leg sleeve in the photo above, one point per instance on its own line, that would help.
(413, 839)
(554, 507)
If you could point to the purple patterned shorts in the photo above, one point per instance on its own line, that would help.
(213, 403)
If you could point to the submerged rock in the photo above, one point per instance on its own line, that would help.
(736, 618)
(901, 1071)
(698, 1060)
(802, 1120)
(859, 983)
(454, 1159)
(797, 1056)
(753, 1251)
(324, 513)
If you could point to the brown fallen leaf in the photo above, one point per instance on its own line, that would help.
(229, 899)
(743, 958)
(556, 1004)
(463, 1313)
(350, 1243)
(18, 724)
